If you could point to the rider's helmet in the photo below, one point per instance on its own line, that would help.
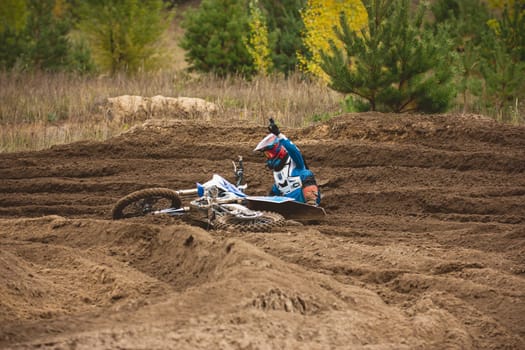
(275, 153)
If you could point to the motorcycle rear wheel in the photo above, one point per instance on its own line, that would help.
(143, 202)
(263, 223)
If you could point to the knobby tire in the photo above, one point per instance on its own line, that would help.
(264, 223)
(136, 199)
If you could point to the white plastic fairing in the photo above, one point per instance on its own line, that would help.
(220, 182)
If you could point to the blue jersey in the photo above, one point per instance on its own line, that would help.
(290, 180)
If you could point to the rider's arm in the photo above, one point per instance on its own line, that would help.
(292, 150)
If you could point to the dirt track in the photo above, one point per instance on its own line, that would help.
(423, 246)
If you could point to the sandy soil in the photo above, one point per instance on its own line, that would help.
(423, 246)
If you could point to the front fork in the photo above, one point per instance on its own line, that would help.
(238, 170)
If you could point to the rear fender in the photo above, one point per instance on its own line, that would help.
(287, 207)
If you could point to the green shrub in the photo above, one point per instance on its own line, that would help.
(37, 39)
(395, 64)
(125, 36)
(215, 36)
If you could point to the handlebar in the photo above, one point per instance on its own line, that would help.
(238, 170)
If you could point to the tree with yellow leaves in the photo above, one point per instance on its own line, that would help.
(501, 4)
(503, 54)
(320, 17)
(257, 42)
(510, 27)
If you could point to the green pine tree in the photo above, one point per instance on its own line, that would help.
(48, 33)
(467, 20)
(491, 53)
(14, 41)
(13, 15)
(510, 28)
(285, 26)
(503, 63)
(505, 77)
(35, 38)
(394, 63)
(215, 36)
(125, 35)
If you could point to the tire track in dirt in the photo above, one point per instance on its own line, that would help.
(423, 245)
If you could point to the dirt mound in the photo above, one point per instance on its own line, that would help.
(423, 245)
(138, 270)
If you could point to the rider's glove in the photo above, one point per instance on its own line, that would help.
(273, 128)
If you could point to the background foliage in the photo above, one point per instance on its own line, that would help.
(318, 17)
(480, 57)
(285, 27)
(490, 42)
(393, 63)
(34, 35)
(215, 37)
(124, 35)
(257, 43)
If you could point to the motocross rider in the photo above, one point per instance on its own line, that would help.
(292, 177)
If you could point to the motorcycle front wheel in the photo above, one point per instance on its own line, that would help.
(263, 223)
(143, 202)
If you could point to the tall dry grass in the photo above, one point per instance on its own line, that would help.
(38, 110)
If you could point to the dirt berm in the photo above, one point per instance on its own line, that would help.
(423, 246)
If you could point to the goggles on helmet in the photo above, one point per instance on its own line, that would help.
(275, 152)
(272, 153)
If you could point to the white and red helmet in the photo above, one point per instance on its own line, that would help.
(276, 154)
(268, 142)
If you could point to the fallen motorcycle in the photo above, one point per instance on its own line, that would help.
(218, 204)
